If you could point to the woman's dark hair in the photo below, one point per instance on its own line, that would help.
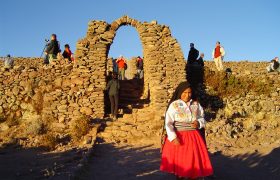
(67, 46)
(54, 35)
(178, 91)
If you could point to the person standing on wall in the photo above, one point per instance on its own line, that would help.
(67, 53)
(193, 54)
(53, 49)
(121, 67)
(139, 65)
(218, 56)
(113, 87)
(8, 62)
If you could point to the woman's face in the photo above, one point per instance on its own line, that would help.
(186, 95)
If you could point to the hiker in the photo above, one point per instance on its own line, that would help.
(52, 50)
(121, 67)
(113, 87)
(8, 62)
(67, 53)
(184, 151)
(273, 65)
(115, 65)
(218, 56)
(193, 54)
(139, 65)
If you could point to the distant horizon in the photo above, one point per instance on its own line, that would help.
(205, 60)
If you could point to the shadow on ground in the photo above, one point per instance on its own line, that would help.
(21, 163)
(126, 162)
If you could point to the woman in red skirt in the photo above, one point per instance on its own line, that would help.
(184, 152)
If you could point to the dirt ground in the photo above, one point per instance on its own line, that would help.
(116, 161)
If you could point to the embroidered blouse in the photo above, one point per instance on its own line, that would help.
(180, 115)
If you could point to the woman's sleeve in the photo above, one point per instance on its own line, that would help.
(169, 121)
(200, 117)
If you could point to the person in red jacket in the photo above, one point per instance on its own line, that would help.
(218, 56)
(67, 54)
(122, 66)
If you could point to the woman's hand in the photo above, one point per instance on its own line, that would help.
(176, 141)
(195, 124)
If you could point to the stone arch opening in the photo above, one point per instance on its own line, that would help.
(164, 63)
(132, 88)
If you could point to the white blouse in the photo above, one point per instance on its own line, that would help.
(182, 112)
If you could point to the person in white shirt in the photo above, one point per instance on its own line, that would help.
(218, 55)
(184, 151)
(8, 62)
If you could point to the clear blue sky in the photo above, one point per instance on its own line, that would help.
(248, 29)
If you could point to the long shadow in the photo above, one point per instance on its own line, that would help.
(252, 166)
(19, 163)
(118, 163)
(210, 103)
(111, 162)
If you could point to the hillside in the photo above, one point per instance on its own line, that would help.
(38, 115)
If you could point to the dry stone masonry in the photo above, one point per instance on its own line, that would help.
(163, 60)
(65, 92)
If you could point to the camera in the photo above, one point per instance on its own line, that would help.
(47, 40)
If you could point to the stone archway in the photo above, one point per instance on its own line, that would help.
(164, 62)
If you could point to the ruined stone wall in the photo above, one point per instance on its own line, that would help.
(163, 59)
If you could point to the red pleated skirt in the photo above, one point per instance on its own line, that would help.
(189, 159)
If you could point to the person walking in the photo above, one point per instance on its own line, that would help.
(218, 56)
(113, 87)
(139, 66)
(184, 151)
(52, 50)
(67, 53)
(121, 67)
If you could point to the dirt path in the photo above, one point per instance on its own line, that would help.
(118, 162)
(112, 161)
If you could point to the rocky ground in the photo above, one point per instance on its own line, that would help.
(243, 138)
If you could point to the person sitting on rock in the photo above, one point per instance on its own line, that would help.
(113, 87)
(274, 65)
(121, 67)
(8, 62)
(52, 50)
(67, 54)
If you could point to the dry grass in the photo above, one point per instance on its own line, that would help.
(35, 127)
(79, 127)
(49, 141)
(228, 85)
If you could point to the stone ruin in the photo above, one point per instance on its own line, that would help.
(164, 63)
(65, 91)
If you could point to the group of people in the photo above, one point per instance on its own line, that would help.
(120, 66)
(52, 51)
(113, 86)
(218, 54)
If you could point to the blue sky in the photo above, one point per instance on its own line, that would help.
(248, 29)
